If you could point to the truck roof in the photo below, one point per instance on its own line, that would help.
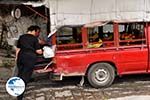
(82, 12)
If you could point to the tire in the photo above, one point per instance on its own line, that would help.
(101, 75)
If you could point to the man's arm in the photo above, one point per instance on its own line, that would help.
(17, 51)
(39, 51)
(41, 41)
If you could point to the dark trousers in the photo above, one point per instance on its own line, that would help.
(25, 64)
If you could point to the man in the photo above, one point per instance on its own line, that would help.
(27, 49)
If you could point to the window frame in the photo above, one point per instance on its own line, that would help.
(143, 40)
(69, 46)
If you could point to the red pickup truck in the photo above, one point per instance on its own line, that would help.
(101, 52)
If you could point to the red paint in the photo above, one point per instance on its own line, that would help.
(125, 59)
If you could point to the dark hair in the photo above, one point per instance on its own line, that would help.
(33, 27)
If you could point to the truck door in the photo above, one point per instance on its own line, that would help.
(133, 50)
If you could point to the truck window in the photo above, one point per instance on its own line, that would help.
(131, 34)
(102, 36)
(69, 38)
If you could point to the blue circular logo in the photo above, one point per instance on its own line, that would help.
(15, 86)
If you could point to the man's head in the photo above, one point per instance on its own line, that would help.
(34, 29)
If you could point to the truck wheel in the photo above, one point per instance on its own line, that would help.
(101, 75)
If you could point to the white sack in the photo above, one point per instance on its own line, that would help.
(48, 52)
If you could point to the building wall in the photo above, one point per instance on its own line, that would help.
(17, 27)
